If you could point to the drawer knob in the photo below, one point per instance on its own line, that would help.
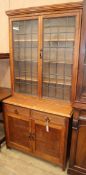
(16, 111)
(29, 136)
(47, 119)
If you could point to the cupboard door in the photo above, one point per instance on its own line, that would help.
(77, 164)
(25, 53)
(58, 55)
(49, 141)
(18, 133)
(81, 144)
(81, 84)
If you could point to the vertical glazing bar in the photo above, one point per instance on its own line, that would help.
(49, 73)
(31, 57)
(40, 42)
(64, 83)
(56, 91)
(19, 61)
(25, 56)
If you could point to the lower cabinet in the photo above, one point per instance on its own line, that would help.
(38, 133)
(77, 164)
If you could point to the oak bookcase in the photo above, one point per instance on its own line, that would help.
(44, 51)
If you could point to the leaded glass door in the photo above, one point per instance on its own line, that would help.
(58, 55)
(45, 55)
(25, 44)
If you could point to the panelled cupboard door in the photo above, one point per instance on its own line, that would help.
(81, 144)
(49, 141)
(77, 164)
(45, 55)
(18, 133)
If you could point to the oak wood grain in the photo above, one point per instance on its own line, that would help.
(61, 108)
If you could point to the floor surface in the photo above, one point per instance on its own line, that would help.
(14, 162)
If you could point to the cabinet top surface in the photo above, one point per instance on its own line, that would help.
(4, 93)
(61, 108)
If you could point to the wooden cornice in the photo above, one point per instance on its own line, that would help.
(47, 8)
(4, 55)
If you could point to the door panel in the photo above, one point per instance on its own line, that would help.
(81, 144)
(49, 143)
(19, 132)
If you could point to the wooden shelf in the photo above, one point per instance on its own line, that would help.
(27, 79)
(33, 61)
(45, 81)
(57, 83)
(59, 40)
(53, 40)
(25, 40)
(27, 33)
(45, 61)
(55, 62)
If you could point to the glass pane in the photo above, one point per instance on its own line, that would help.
(25, 42)
(58, 50)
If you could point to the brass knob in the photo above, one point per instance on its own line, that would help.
(16, 111)
(29, 136)
(47, 119)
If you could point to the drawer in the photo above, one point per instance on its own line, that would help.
(46, 116)
(17, 110)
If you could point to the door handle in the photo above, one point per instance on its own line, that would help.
(41, 53)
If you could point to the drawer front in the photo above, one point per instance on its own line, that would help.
(17, 110)
(50, 117)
